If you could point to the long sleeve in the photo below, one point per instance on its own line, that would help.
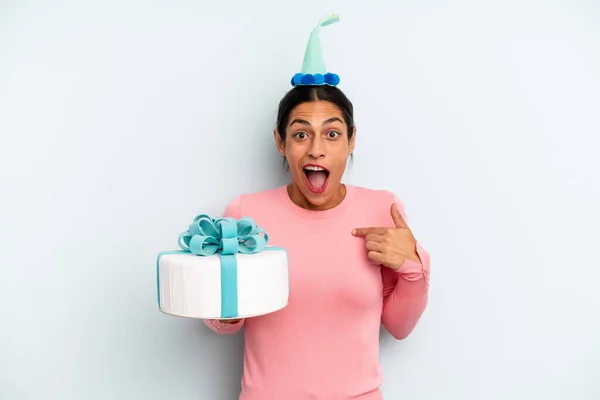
(233, 210)
(405, 292)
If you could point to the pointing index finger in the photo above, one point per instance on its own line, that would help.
(366, 231)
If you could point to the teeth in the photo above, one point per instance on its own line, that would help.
(313, 168)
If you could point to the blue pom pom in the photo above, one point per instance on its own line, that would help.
(332, 79)
(308, 79)
(297, 79)
(335, 79)
(316, 79)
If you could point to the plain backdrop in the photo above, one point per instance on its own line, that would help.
(122, 120)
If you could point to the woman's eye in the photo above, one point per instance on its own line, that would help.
(333, 134)
(300, 135)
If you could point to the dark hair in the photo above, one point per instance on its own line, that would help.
(302, 94)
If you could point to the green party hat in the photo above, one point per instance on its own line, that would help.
(313, 70)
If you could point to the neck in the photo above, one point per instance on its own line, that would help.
(300, 200)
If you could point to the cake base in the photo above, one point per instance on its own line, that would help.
(200, 287)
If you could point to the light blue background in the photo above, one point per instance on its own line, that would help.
(122, 120)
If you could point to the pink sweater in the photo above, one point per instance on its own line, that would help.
(325, 343)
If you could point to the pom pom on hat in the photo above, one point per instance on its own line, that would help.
(297, 79)
(319, 79)
(332, 79)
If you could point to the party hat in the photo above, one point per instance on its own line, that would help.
(313, 70)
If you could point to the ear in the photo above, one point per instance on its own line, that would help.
(280, 144)
(352, 141)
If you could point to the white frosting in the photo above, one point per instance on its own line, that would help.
(190, 285)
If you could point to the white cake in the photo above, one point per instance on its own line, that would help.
(190, 285)
(227, 284)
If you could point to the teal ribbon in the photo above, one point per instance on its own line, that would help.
(225, 237)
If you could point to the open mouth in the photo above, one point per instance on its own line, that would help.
(317, 177)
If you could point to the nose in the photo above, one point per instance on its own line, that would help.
(316, 149)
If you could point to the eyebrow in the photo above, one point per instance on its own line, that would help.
(305, 122)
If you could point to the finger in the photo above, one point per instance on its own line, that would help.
(229, 321)
(375, 256)
(397, 217)
(366, 231)
(374, 237)
(374, 246)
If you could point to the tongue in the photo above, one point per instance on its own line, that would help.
(317, 179)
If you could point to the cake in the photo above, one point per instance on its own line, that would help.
(223, 269)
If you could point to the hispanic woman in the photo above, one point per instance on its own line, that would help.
(354, 262)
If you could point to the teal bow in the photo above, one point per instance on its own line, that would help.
(226, 236)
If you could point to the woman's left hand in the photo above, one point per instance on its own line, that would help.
(390, 246)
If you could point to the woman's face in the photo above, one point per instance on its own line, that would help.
(317, 149)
